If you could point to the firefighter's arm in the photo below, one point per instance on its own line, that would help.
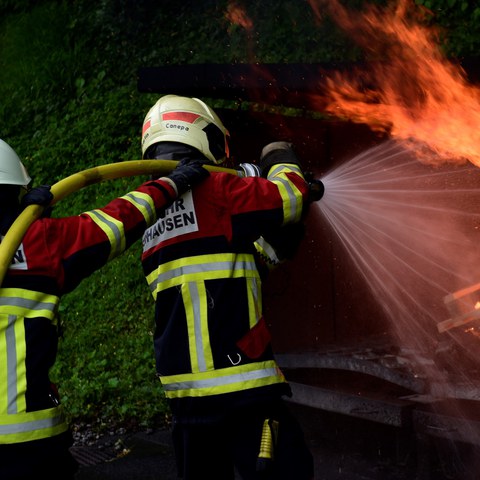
(280, 244)
(277, 153)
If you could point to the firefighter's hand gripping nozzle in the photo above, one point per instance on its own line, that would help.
(316, 188)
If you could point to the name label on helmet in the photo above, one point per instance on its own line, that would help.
(180, 218)
(177, 126)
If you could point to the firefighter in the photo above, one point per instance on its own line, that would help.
(54, 256)
(212, 344)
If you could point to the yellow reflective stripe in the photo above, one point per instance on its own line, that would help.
(195, 301)
(291, 195)
(225, 380)
(254, 301)
(113, 230)
(17, 369)
(144, 203)
(12, 347)
(29, 426)
(15, 305)
(267, 252)
(27, 303)
(3, 371)
(201, 268)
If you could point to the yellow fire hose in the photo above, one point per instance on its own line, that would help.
(71, 184)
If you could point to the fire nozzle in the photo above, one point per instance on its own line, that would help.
(316, 188)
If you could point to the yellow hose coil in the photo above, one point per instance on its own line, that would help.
(71, 184)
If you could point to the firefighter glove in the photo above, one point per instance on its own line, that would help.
(38, 196)
(275, 153)
(285, 240)
(187, 174)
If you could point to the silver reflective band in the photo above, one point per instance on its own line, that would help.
(250, 170)
(223, 380)
(215, 268)
(24, 427)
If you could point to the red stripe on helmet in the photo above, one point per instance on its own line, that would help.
(182, 116)
(146, 126)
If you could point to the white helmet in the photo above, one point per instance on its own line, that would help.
(189, 121)
(12, 171)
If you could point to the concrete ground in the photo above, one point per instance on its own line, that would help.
(343, 450)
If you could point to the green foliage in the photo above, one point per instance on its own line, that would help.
(70, 102)
(38, 65)
(105, 368)
(459, 20)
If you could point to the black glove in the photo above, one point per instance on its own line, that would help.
(38, 196)
(275, 153)
(285, 240)
(187, 174)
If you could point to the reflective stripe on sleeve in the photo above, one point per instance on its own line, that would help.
(144, 203)
(113, 229)
(291, 196)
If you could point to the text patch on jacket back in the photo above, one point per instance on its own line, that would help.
(178, 219)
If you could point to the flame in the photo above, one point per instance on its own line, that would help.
(477, 306)
(237, 15)
(410, 90)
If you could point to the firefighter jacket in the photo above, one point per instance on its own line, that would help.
(54, 256)
(211, 340)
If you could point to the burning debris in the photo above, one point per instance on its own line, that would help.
(463, 306)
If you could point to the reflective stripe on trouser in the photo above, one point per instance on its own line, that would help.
(225, 380)
(24, 427)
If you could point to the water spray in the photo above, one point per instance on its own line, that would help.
(111, 171)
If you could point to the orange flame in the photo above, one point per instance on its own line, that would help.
(237, 15)
(410, 90)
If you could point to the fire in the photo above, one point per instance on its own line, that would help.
(477, 306)
(236, 14)
(409, 90)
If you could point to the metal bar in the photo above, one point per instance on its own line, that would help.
(350, 363)
(394, 412)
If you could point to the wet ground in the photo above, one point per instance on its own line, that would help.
(344, 449)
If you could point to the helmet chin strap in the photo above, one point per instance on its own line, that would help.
(174, 151)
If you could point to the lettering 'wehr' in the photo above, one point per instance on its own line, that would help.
(168, 224)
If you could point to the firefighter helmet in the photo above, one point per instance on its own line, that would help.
(12, 171)
(186, 120)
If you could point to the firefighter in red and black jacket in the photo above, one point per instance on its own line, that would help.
(212, 344)
(53, 258)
